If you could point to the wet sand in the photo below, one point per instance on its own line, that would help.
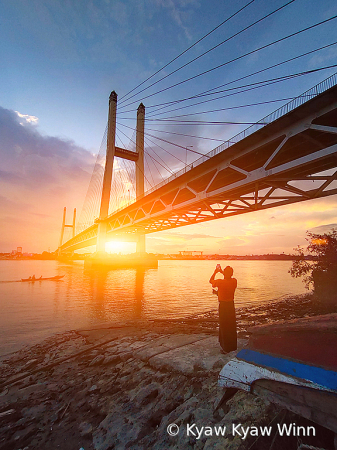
(120, 387)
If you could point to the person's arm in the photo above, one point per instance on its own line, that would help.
(212, 280)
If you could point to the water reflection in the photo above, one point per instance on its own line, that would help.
(139, 292)
(118, 293)
(86, 298)
(97, 292)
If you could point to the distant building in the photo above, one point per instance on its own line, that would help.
(190, 253)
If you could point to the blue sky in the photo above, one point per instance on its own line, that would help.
(61, 59)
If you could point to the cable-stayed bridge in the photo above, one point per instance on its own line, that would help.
(287, 157)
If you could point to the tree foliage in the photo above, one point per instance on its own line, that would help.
(321, 270)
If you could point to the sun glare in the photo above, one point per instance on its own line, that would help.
(319, 241)
(120, 247)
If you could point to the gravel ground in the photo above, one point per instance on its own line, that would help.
(120, 387)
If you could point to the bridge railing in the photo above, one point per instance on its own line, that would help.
(283, 110)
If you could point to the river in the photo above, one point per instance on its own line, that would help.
(30, 312)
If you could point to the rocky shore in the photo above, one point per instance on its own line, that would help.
(121, 387)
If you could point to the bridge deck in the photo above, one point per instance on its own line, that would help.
(281, 163)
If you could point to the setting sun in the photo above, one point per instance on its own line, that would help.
(120, 247)
(319, 241)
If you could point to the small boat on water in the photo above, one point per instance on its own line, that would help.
(32, 280)
(292, 364)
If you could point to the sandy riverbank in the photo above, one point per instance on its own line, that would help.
(120, 387)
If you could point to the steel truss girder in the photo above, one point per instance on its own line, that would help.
(303, 145)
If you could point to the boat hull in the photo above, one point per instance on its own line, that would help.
(249, 366)
(311, 340)
(57, 278)
(291, 364)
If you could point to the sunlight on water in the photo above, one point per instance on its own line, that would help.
(32, 311)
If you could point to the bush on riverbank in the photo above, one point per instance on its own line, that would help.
(321, 272)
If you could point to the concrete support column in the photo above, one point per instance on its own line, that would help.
(110, 153)
(140, 167)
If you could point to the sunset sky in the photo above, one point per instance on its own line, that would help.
(61, 59)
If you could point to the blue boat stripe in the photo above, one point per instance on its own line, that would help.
(317, 375)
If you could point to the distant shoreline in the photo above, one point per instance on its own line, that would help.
(267, 257)
(172, 257)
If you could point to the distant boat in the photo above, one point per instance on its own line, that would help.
(56, 278)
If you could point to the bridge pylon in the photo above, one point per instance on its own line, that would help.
(67, 226)
(140, 167)
(111, 152)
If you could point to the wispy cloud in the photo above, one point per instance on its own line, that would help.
(324, 228)
(179, 11)
(27, 119)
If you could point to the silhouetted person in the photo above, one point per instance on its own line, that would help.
(33, 278)
(227, 319)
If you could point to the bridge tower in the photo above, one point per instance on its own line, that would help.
(67, 226)
(140, 167)
(111, 152)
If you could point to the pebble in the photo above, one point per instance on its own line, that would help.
(7, 413)
(97, 360)
(126, 356)
(111, 359)
(30, 363)
(147, 394)
(54, 417)
(85, 428)
(4, 392)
